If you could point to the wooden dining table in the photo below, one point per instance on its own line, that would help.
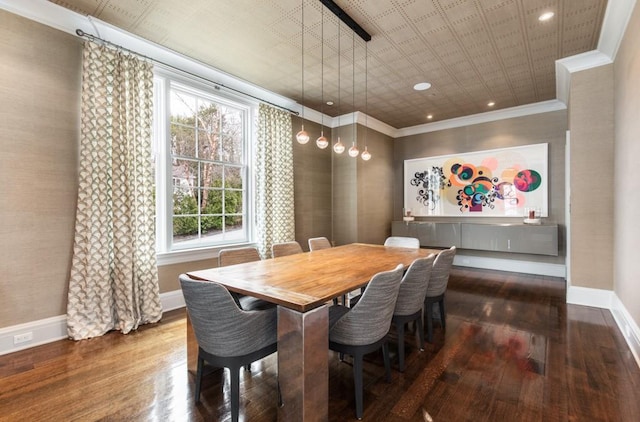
(303, 285)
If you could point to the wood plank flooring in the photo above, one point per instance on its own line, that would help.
(512, 351)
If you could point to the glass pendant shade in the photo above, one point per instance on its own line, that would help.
(353, 151)
(322, 142)
(302, 137)
(366, 155)
(338, 148)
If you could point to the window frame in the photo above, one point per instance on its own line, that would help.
(163, 81)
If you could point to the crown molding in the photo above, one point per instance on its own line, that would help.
(614, 25)
(490, 116)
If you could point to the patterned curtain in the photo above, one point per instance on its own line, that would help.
(275, 218)
(114, 281)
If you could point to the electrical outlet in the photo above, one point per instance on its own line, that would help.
(22, 338)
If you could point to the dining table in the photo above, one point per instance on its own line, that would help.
(303, 287)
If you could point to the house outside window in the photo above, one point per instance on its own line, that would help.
(203, 175)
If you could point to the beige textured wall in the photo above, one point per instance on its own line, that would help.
(539, 128)
(627, 152)
(592, 194)
(345, 190)
(39, 127)
(312, 185)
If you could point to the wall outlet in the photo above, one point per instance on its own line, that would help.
(22, 338)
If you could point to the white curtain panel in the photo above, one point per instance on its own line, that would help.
(275, 217)
(113, 282)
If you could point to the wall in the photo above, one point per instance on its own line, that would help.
(362, 190)
(546, 127)
(39, 130)
(626, 153)
(592, 132)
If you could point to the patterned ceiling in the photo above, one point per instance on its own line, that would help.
(471, 51)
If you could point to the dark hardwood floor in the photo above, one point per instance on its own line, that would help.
(512, 351)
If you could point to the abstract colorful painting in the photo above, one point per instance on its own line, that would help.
(496, 183)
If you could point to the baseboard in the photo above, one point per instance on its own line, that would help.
(627, 325)
(498, 264)
(585, 296)
(55, 328)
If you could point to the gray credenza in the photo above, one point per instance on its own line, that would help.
(509, 237)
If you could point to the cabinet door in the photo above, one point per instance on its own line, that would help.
(541, 240)
(440, 235)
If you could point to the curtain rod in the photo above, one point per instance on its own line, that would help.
(92, 37)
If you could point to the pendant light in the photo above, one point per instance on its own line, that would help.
(302, 137)
(353, 151)
(338, 147)
(366, 155)
(322, 142)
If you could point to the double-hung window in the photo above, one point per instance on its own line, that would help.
(202, 172)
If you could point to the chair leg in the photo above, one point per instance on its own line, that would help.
(400, 330)
(429, 321)
(199, 371)
(234, 373)
(420, 333)
(357, 380)
(442, 313)
(387, 361)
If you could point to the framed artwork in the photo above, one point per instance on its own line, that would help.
(505, 182)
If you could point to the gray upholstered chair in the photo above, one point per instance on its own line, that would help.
(317, 243)
(227, 336)
(402, 242)
(363, 329)
(413, 290)
(437, 288)
(285, 248)
(233, 256)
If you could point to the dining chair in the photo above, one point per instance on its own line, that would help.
(437, 288)
(317, 243)
(227, 336)
(363, 329)
(409, 304)
(233, 256)
(402, 242)
(285, 248)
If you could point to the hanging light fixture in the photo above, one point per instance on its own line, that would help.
(322, 142)
(302, 137)
(353, 151)
(339, 147)
(366, 155)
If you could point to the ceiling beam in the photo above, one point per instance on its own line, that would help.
(344, 17)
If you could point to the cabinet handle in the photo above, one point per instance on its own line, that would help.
(509, 244)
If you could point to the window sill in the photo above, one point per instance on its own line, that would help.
(190, 255)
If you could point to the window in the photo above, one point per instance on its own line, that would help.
(202, 173)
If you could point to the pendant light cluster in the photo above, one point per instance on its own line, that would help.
(322, 142)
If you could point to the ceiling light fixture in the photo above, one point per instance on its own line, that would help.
(546, 16)
(366, 155)
(429, 116)
(353, 151)
(302, 137)
(422, 86)
(322, 142)
(338, 147)
(491, 103)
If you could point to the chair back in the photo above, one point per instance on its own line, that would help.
(402, 242)
(285, 248)
(317, 243)
(237, 256)
(413, 287)
(440, 272)
(369, 320)
(220, 327)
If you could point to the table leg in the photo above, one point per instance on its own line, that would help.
(303, 367)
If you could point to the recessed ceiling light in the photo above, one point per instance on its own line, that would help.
(422, 86)
(329, 103)
(491, 103)
(546, 16)
(429, 116)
